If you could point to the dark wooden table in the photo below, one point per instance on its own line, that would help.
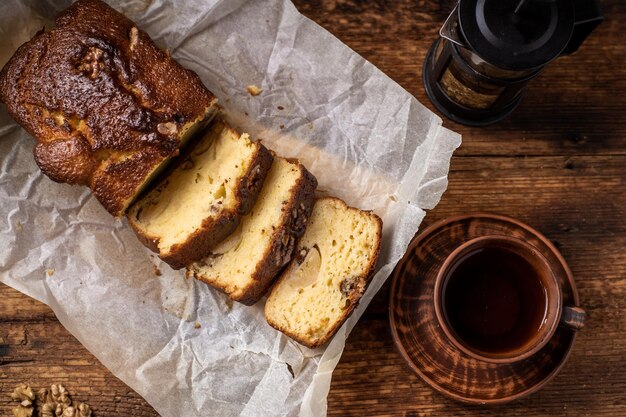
(559, 164)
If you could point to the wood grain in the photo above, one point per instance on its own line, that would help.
(558, 164)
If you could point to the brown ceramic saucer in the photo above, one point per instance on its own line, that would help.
(423, 344)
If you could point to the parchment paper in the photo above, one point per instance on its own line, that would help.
(366, 139)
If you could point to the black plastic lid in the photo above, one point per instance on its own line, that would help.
(530, 38)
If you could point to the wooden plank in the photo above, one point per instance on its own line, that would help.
(559, 164)
(371, 375)
(373, 380)
(577, 202)
(576, 106)
(580, 204)
(35, 348)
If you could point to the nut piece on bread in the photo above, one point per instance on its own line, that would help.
(245, 264)
(202, 200)
(331, 269)
(108, 108)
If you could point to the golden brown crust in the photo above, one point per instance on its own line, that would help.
(361, 283)
(91, 91)
(150, 242)
(284, 237)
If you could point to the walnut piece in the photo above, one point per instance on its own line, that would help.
(23, 411)
(352, 285)
(60, 395)
(25, 396)
(84, 410)
(23, 392)
(81, 411)
(91, 63)
(47, 410)
(168, 129)
(56, 402)
(53, 402)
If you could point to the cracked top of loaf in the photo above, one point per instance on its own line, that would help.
(108, 107)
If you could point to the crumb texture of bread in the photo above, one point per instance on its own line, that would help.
(245, 264)
(203, 199)
(330, 271)
(108, 108)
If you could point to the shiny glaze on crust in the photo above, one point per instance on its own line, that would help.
(106, 105)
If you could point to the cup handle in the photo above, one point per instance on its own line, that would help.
(573, 317)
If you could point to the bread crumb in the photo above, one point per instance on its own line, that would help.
(134, 38)
(229, 304)
(197, 325)
(253, 90)
(50, 272)
(156, 271)
(282, 126)
(280, 108)
(18, 226)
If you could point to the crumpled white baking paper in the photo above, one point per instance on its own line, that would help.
(366, 139)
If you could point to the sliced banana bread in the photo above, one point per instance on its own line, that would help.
(245, 264)
(331, 269)
(108, 107)
(202, 201)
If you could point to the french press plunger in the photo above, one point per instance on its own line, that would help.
(488, 50)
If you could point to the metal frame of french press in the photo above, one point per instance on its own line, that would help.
(587, 17)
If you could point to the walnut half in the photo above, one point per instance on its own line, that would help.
(56, 402)
(23, 394)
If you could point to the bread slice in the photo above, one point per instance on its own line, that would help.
(108, 108)
(202, 201)
(322, 285)
(245, 264)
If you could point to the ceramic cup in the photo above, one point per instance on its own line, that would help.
(478, 284)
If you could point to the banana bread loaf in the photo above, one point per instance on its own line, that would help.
(202, 201)
(108, 108)
(245, 264)
(329, 273)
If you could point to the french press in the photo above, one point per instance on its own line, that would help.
(488, 50)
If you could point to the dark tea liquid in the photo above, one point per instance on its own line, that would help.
(495, 301)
